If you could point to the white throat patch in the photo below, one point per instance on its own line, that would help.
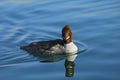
(71, 48)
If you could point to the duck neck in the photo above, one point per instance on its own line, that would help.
(68, 41)
(68, 44)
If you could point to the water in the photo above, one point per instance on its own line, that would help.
(95, 23)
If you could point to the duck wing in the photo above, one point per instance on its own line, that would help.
(42, 46)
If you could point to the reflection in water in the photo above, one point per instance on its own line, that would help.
(69, 61)
(69, 65)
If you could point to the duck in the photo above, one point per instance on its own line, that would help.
(52, 47)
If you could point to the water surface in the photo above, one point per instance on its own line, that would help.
(95, 23)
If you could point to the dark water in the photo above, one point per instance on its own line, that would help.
(95, 23)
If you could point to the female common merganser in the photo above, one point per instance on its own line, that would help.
(58, 46)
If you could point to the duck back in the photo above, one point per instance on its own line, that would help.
(45, 47)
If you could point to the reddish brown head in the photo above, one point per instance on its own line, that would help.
(67, 34)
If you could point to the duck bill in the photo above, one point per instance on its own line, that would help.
(66, 38)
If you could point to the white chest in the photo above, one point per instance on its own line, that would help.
(71, 48)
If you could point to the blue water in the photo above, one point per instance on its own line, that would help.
(94, 23)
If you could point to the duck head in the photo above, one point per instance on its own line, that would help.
(67, 34)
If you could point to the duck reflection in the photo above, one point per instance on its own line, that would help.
(70, 64)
